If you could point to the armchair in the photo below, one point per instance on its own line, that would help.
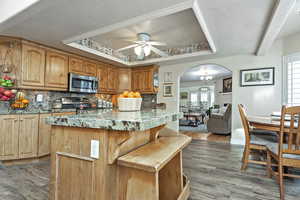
(220, 123)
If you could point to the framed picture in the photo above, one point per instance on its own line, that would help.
(227, 85)
(168, 90)
(168, 77)
(257, 77)
(184, 95)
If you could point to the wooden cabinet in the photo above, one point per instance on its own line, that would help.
(18, 136)
(83, 67)
(102, 74)
(9, 137)
(44, 136)
(28, 136)
(108, 77)
(57, 70)
(90, 68)
(124, 82)
(112, 79)
(145, 79)
(33, 65)
(75, 65)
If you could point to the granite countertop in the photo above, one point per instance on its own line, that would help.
(115, 120)
(34, 111)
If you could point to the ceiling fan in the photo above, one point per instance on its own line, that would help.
(143, 46)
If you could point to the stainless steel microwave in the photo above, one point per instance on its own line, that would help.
(82, 84)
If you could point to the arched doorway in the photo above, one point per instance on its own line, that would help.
(205, 98)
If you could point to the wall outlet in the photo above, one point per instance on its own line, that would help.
(95, 148)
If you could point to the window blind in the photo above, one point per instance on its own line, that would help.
(293, 80)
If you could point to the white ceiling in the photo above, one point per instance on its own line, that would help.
(292, 25)
(236, 26)
(176, 30)
(213, 70)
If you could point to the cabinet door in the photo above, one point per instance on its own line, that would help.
(90, 68)
(76, 65)
(148, 75)
(115, 79)
(112, 79)
(102, 74)
(28, 136)
(44, 136)
(9, 134)
(124, 82)
(135, 81)
(33, 65)
(56, 70)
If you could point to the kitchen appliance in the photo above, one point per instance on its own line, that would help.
(104, 104)
(82, 84)
(75, 102)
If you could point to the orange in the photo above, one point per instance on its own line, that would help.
(137, 95)
(25, 101)
(131, 95)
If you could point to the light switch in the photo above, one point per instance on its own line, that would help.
(95, 149)
(39, 98)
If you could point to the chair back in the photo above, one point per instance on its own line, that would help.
(289, 131)
(245, 122)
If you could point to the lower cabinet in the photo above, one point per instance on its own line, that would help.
(44, 136)
(9, 137)
(25, 136)
(28, 136)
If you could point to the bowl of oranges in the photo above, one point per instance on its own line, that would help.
(130, 101)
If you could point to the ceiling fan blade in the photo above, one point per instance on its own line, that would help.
(128, 47)
(159, 52)
(156, 43)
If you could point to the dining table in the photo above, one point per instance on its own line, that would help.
(268, 123)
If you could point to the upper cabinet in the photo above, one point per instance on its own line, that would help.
(124, 83)
(76, 65)
(90, 68)
(102, 74)
(57, 69)
(145, 79)
(113, 79)
(46, 68)
(33, 65)
(84, 67)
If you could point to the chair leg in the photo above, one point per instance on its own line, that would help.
(280, 177)
(245, 158)
(269, 165)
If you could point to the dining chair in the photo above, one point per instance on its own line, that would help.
(254, 140)
(286, 153)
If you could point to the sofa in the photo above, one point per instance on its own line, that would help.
(220, 122)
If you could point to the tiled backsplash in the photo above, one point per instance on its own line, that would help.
(149, 100)
(48, 98)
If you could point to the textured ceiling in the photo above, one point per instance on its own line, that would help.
(292, 25)
(213, 70)
(177, 30)
(236, 26)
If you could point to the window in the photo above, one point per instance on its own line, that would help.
(194, 98)
(292, 83)
(204, 94)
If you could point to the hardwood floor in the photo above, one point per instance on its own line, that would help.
(213, 167)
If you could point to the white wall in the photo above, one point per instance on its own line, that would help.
(291, 44)
(220, 98)
(259, 100)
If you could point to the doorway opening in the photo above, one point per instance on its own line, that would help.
(206, 101)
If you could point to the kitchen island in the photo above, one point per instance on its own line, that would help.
(111, 155)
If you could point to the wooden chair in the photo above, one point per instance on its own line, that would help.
(286, 153)
(255, 140)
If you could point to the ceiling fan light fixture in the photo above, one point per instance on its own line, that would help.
(147, 50)
(138, 50)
